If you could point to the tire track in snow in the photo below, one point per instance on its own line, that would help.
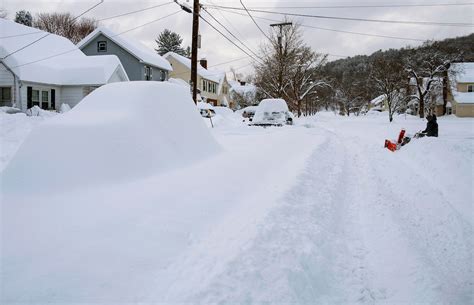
(305, 251)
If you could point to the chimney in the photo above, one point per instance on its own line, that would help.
(203, 63)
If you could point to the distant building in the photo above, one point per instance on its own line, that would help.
(139, 61)
(208, 82)
(50, 71)
(460, 97)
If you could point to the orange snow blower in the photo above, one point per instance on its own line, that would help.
(395, 146)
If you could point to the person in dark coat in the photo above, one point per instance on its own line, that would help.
(431, 127)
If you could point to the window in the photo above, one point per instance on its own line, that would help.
(44, 99)
(35, 97)
(102, 46)
(470, 88)
(148, 73)
(163, 75)
(44, 96)
(5, 96)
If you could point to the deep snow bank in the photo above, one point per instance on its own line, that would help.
(119, 132)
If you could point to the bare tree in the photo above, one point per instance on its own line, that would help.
(63, 24)
(388, 75)
(286, 69)
(426, 72)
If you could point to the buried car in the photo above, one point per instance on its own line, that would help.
(272, 112)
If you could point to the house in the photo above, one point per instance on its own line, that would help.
(47, 70)
(242, 94)
(434, 100)
(139, 61)
(223, 90)
(460, 97)
(207, 81)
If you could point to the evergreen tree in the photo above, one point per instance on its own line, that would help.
(169, 41)
(24, 17)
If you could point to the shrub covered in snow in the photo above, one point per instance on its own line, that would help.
(120, 131)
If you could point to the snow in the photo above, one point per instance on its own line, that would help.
(136, 48)
(179, 81)
(204, 73)
(53, 59)
(225, 111)
(378, 101)
(317, 213)
(242, 89)
(270, 106)
(64, 108)
(119, 132)
(464, 72)
(463, 97)
(202, 105)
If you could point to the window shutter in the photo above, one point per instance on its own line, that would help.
(29, 92)
(53, 98)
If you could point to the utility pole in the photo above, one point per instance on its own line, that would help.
(280, 55)
(194, 48)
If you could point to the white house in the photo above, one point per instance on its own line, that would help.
(207, 81)
(49, 71)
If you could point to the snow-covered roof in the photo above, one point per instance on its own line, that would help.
(242, 89)
(204, 73)
(378, 100)
(134, 47)
(464, 72)
(463, 97)
(202, 105)
(53, 59)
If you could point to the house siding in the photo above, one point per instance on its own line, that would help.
(133, 66)
(72, 95)
(8, 80)
(182, 72)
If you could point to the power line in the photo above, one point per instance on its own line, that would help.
(364, 6)
(329, 29)
(18, 35)
(44, 36)
(217, 30)
(158, 19)
(76, 49)
(348, 18)
(264, 34)
(232, 34)
(137, 11)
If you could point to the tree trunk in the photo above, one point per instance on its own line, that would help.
(421, 110)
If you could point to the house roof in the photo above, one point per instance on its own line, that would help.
(237, 87)
(137, 49)
(464, 72)
(204, 73)
(53, 59)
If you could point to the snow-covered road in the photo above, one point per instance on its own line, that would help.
(313, 214)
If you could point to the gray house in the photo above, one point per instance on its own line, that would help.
(139, 62)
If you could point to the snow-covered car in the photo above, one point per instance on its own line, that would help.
(248, 112)
(273, 112)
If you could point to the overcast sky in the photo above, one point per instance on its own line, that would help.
(218, 50)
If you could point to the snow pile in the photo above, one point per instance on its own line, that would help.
(37, 111)
(224, 111)
(179, 81)
(64, 108)
(119, 132)
(9, 110)
(14, 128)
(268, 107)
